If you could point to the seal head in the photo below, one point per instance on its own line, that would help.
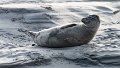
(91, 20)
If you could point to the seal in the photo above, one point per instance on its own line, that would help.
(67, 35)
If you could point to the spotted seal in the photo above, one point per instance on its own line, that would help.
(67, 35)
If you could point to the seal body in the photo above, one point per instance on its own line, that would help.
(68, 35)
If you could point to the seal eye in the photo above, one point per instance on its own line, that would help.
(95, 17)
(89, 17)
(92, 17)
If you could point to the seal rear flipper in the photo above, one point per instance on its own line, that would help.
(23, 30)
(27, 32)
(31, 34)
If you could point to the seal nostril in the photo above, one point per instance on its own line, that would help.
(83, 19)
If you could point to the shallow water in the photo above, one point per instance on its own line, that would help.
(17, 49)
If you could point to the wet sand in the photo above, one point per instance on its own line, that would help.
(17, 50)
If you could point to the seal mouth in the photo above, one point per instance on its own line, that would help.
(85, 21)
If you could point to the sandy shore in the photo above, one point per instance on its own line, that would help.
(17, 49)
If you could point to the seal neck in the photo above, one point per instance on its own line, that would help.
(91, 30)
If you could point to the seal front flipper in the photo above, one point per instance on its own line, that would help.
(67, 26)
